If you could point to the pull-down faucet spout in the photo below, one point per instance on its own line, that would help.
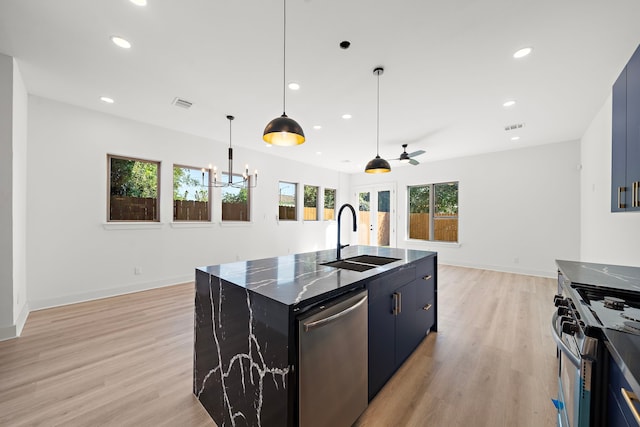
(353, 211)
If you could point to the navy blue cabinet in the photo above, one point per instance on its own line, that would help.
(618, 411)
(402, 309)
(625, 147)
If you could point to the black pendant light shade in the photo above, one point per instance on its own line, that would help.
(378, 164)
(283, 131)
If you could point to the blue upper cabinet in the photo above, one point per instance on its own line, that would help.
(625, 153)
(633, 130)
(619, 145)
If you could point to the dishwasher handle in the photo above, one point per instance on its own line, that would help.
(325, 321)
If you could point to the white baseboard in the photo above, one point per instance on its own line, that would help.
(14, 331)
(523, 271)
(41, 304)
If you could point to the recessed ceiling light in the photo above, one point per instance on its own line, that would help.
(268, 145)
(106, 99)
(523, 52)
(120, 42)
(317, 127)
(294, 86)
(346, 116)
(318, 153)
(509, 103)
(515, 138)
(139, 2)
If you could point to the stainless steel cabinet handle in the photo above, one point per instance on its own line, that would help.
(634, 195)
(399, 302)
(321, 322)
(629, 397)
(428, 277)
(621, 190)
(427, 307)
(395, 304)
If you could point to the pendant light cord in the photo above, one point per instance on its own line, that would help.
(378, 119)
(284, 59)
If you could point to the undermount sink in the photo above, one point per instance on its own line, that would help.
(372, 259)
(349, 265)
(360, 262)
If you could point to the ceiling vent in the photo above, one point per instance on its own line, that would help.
(514, 127)
(179, 102)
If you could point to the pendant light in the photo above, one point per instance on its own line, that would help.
(247, 180)
(284, 130)
(378, 165)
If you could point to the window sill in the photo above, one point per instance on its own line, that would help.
(191, 224)
(236, 223)
(434, 243)
(132, 225)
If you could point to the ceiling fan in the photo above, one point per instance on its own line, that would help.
(408, 157)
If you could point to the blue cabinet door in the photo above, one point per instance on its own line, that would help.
(619, 191)
(633, 131)
(618, 411)
(382, 338)
(408, 334)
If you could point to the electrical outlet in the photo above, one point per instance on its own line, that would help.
(137, 270)
(516, 260)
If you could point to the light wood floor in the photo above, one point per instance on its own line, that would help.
(127, 360)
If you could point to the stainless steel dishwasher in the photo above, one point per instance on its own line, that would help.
(332, 359)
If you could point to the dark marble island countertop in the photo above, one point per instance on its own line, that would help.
(245, 325)
(294, 279)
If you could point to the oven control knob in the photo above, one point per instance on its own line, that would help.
(560, 301)
(563, 311)
(570, 327)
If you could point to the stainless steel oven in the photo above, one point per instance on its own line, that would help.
(581, 363)
(575, 374)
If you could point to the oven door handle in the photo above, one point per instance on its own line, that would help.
(561, 344)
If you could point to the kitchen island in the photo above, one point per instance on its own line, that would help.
(245, 349)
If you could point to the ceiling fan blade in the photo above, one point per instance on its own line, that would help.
(416, 153)
(414, 162)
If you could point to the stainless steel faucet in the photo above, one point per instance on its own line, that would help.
(353, 211)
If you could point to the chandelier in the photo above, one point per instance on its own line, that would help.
(248, 181)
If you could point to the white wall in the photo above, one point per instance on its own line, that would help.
(20, 123)
(6, 191)
(73, 257)
(13, 164)
(519, 209)
(611, 238)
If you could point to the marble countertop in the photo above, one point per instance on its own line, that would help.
(292, 279)
(604, 275)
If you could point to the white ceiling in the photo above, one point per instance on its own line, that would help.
(448, 68)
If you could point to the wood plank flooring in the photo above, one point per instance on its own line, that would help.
(127, 360)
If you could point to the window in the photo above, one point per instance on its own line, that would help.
(287, 202)
(433, 212)
(310, 203)
(133, 189)
(191, 194)
(329, 203)
(235, 201)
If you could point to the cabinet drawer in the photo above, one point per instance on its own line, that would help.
(426, 316)
(425, 269)
(425, 290)
(386, 285)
